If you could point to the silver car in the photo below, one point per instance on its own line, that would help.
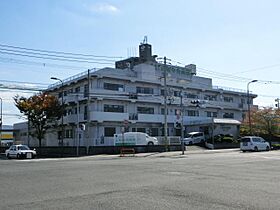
(253, 143)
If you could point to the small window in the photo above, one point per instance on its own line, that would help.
(115, 87)
(109, 131)
(113, 108)
(145, 110)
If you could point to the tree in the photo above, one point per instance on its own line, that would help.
(264, 121)
(40, 109)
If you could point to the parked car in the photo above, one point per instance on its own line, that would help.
(253, 143)
(134, 138)
(194, 138)
(20, 151)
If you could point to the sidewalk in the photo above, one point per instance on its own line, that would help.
(187, 152)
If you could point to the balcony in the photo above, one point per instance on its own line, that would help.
(73, 118)
(73, 98)
(108, 116)
(155, 118)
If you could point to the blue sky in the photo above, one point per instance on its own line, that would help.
(237, 37)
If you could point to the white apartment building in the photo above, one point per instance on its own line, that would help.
(131, 97)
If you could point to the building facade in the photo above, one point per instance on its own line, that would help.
(131, 97)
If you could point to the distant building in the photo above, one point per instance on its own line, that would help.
(132, 96)
(6, 135)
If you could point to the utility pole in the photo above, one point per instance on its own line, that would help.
(165, 104)
(277, 100)
(182, 123)
(78, 125)
(88, 111)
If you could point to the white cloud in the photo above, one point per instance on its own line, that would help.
(103, 8)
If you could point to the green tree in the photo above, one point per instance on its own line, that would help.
(41, 109)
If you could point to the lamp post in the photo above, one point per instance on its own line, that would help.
(62, 123)
(248, 103)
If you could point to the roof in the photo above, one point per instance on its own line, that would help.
(226, 121)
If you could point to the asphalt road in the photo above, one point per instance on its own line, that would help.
(230, 180)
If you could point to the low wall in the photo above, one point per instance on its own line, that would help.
(223, 145)
(68, 151)
(138, 149)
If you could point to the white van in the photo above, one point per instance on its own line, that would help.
(253, 143)
(194, 138)
(134, 138)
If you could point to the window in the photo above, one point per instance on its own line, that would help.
(162, 92)
(211, 114)
(258, 140)
(245, 140)
(68, 133)
(85, 113)
(59, 94)
(110, 86)
(191, 95)
(215, 114)
(228, 115)
(162, 111)
(143, 130)
(145, 110)
(77, 89)
(113, 108)
(228, 99)
(193, 113)
(86, 90)
(70, 91)
(154, 131)
(210, 97)
(176, 93)
(109, 131)
(243, 100)
(144, 90)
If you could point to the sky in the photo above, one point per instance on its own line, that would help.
(230, 41)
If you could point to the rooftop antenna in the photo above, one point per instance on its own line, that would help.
(145, 41)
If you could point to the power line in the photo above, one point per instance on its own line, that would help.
(59, 52)
(57, 59)
(42, 64)
(56, 56)
(27, 83)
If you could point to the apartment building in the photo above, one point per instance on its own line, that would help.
(131, 97)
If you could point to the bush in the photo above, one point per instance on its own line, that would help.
(221, 138)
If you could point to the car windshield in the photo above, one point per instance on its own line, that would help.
(188, 136)
(23, 147)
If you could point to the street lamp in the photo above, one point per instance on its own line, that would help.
(62, 123)
(248, 103)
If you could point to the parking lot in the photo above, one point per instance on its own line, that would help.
(197, 180)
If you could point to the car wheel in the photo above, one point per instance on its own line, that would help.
(190, 143)
(150, 143)
(243, 150)
(8, 156)
(267, 148)
(18, 156)
(256, 149)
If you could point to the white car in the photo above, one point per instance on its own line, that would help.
(134, 138)
(194, 138)
(253, 143)
(20, 151)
